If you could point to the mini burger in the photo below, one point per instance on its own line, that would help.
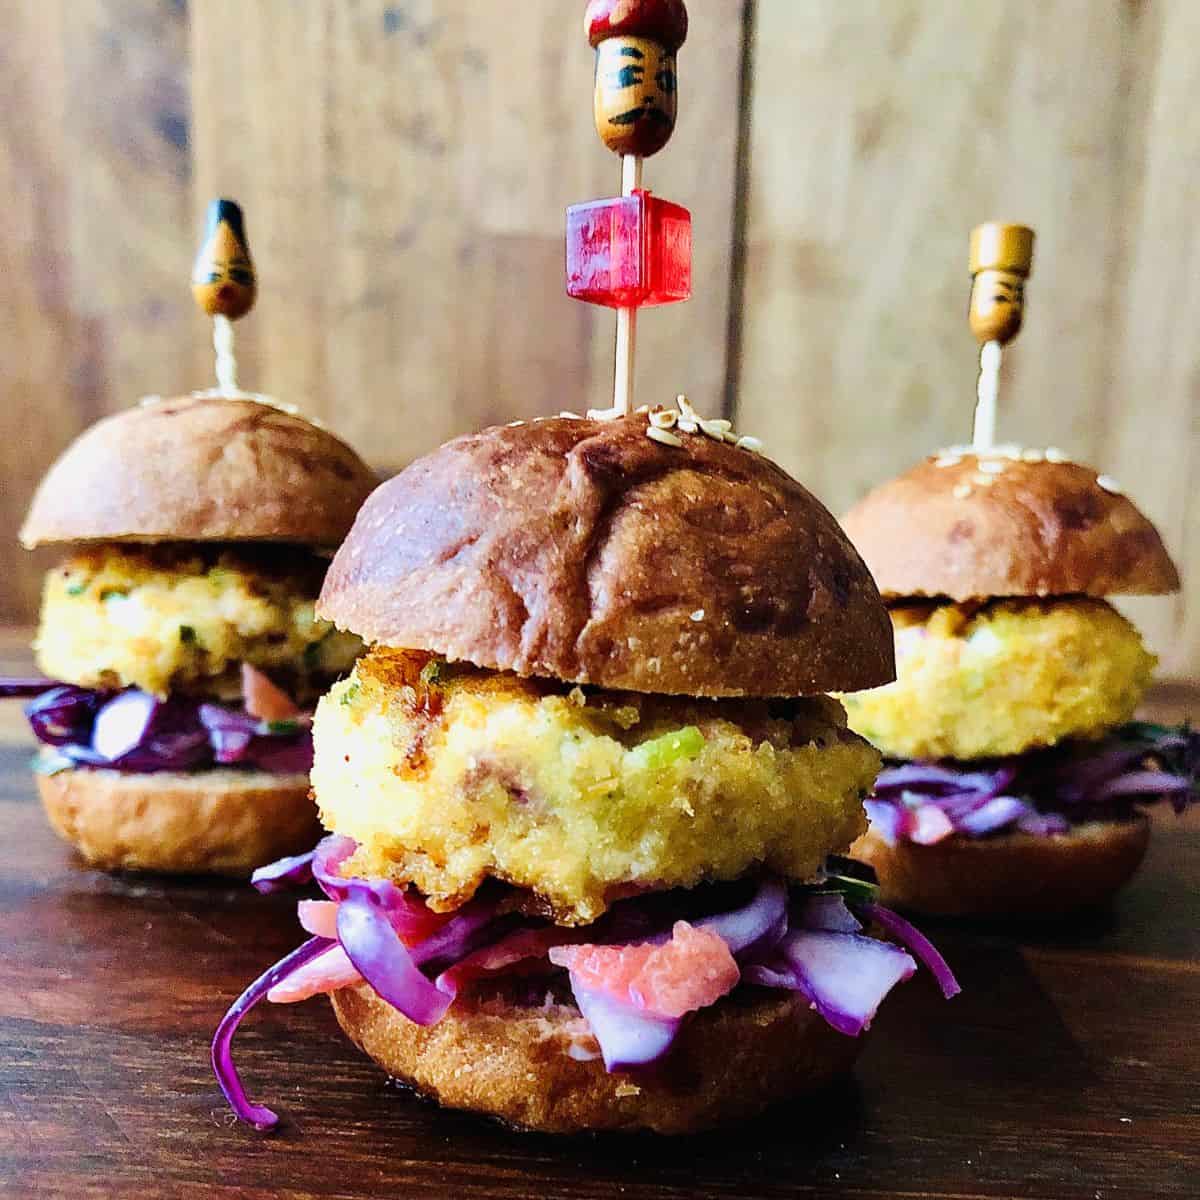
(583, 788)
(178, 634)
(1016, 779)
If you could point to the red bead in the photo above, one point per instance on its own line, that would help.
(629, 252)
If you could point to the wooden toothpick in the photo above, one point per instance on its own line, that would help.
(1001, 257)
(623, 376)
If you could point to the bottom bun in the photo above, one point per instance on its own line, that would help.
(1008, 875)
(221, 822)
(539, 1068)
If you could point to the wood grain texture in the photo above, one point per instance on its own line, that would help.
(1065, 1070)
(876, 144)
(404, 168)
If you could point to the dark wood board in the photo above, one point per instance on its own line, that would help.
(1068, 1069)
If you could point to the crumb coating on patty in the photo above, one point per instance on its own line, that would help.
(448, 775)
(183, 618)
(1000, 679)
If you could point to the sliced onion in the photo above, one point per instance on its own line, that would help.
(627, 1036)
(284, 873)
(918, 943)
(222, 1056)
(845, 976)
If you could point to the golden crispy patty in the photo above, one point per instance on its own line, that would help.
(1002, 679)
(579, 798)
(167, 618)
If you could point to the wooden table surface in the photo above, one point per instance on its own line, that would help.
(1069, 1068)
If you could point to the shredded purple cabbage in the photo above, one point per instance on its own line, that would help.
(1042, 793)
(915, 941)
(131, 730)
(844, 976)
(285, 873)
(805, 938)
(222, 1053)
(627, 1036)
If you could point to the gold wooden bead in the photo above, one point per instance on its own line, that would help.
(635, 100)
(1001, 257)
(223, 279)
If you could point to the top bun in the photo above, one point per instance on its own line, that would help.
(969, 527)
(200, 469)
(583, 551)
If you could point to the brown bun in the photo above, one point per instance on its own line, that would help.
(1009, 875)
(220, 822)
(730, 1062)
(1036, 529)
(200, 469)
(584, 551)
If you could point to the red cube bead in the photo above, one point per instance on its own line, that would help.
(629, 252)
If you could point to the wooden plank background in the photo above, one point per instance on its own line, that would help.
(404, 168)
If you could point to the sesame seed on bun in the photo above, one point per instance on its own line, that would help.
(969, 526)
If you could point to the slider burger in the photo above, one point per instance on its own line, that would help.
(1016, 782)
(178, 634)
(583, 788)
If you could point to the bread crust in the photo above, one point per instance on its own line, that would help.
(200, 469)
(731, 1062)
(583, 551)
(1027, 529)
(220, 822)
(1009, 874)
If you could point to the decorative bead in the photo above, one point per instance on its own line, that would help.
(1000, 261)
(629, 251)
(223, 279)
(636, 84)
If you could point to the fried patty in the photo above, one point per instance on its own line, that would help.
(185, 618)
(1002, 679)
(446, 776)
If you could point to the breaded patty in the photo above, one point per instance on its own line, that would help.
(184, 618)
(455, 775)
(1005, 678)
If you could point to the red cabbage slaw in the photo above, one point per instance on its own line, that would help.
(1043, 792)
(131, 730)
(805, 938)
